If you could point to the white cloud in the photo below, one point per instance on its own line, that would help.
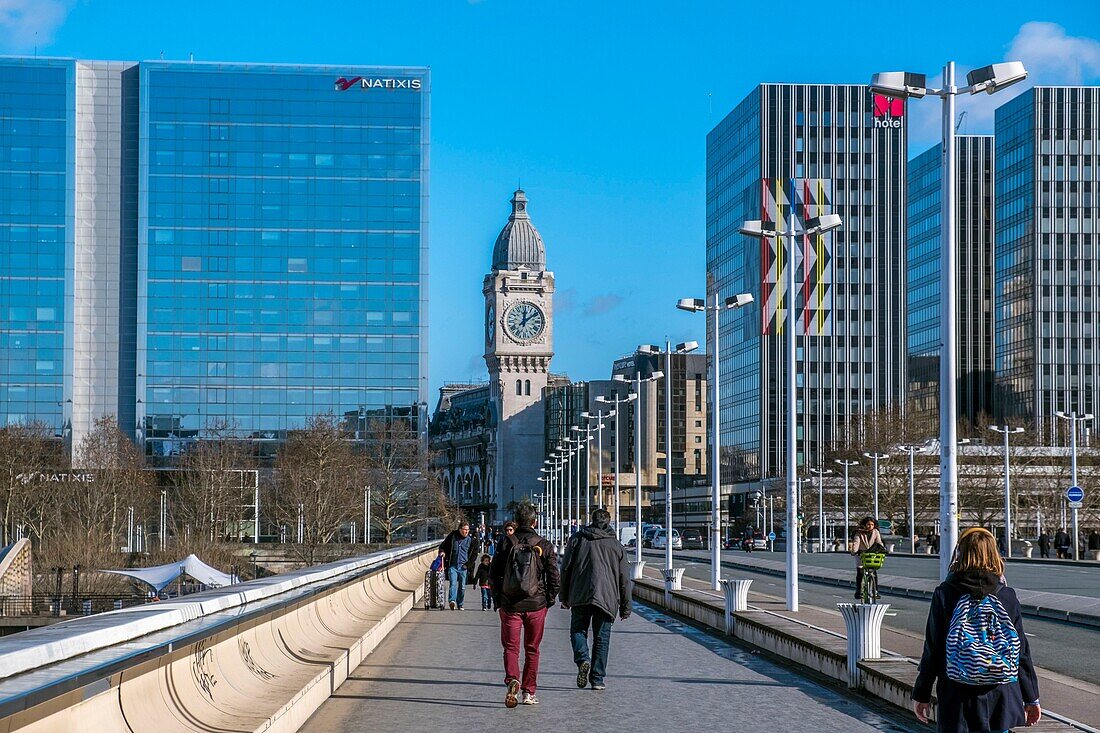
(27, 23)
(1051, 58)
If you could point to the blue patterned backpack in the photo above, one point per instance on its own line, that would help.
(983, 647)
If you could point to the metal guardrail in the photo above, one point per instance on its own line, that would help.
(44, 604)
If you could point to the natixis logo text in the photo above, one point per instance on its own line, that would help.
(344, 83)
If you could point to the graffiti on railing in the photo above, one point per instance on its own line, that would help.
(246, 657)
(200, 660)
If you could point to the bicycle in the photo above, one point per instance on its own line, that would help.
(870, 562)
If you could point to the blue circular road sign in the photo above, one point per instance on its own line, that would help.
(1075, 493)
(771, 536)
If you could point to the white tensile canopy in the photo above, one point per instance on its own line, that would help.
(160, 577)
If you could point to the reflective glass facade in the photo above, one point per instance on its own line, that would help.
(974, 265)
(1048, 252)
(184, 245)
(837, 141)
(37, 149)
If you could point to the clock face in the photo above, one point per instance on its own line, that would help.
(525, 321)
(490, 324)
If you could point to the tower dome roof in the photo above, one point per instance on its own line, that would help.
(519, 243)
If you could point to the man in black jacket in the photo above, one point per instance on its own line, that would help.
(1062, 544)
(520, 611)
(595, 586)
(460, 556)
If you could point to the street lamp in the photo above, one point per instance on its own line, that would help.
(1074, 418)
(1006, 431)
(820, 474)
(599, 416)
(639, 563)
(876, 457)
(769, 230)
(684, 348)
(587, 430)
(696, 305)
(847, 464)
(616, 402)
(903, 85)
(575, 478)
(911, 450)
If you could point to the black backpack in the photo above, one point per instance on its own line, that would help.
(523, 572)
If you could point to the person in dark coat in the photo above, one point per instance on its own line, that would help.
(595, 588)
(525, 614)
(460, 554)
(977, 571)
(1044, 545)
(1062, 543)
(1094, 540)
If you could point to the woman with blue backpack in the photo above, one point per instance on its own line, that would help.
(975, 649)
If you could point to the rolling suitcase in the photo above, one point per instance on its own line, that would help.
(434, 592)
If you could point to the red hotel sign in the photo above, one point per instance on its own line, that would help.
(886, 111)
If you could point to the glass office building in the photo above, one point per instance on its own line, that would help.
(786, 153)
(974, 265)
(1047, 343)
(254, 246)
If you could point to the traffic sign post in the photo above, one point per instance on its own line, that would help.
(1075, 494)
(1075, 497)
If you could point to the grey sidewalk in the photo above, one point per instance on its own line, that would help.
(1078, 609)
(441, 670)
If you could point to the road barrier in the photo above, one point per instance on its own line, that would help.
(255, 656)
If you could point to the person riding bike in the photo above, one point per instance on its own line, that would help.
(866, 539)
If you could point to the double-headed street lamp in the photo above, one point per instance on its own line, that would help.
(697, 305)
(1074, 418)
(599, 416)
(684, 348)
(820, 473)
(903, 85)
(847, 464)
(616, 402)
(876, 457)
(911, 450)
(639, 563)
(575, 445)
(587, 431)
(770, 230)
(1007, 430)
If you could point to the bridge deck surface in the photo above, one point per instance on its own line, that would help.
(439, 669)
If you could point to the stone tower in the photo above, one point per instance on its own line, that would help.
(519, 344)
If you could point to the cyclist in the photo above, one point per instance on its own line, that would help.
(865, 539)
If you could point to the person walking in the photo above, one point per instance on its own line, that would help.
(1094, 541)
(1061, 544)
(746, 539)
(459, 551)
(595, 588)
(866, 538)
(1044, 545)
(975, 649)
(481, 579)
(525, 581)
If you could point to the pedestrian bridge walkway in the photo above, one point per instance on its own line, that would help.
(442, 670)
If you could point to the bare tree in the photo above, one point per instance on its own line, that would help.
(28, 453)
(406, 491)
(318, 475)
(209, 493)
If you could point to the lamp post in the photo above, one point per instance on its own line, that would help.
(820, 473)
(575, 445)
(599, 416)
(847, 464)
(697, 305)
(684, 348)
(638, 381)
(616, 402)
(904, 85)
(587, 430)
(754, 228)
(1074, 418)
(1006, 431)
(911, 450)
(876, 457)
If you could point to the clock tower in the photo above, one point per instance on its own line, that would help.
(519, 344)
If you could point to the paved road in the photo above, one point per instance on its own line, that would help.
(1063, 648)
(1056, 578)
(440, 670)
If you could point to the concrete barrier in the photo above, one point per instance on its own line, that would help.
(257, 656)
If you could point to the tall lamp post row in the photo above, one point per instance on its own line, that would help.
(638, 381)
(616, 403)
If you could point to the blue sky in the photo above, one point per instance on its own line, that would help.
(600, 109)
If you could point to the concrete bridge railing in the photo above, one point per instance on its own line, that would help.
(259, 656)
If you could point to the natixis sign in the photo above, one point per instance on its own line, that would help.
(64, 478)
(345, 83)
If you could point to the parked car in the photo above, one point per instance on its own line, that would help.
(693, 540)
(647, 535)
(759, 542)
(660, 539)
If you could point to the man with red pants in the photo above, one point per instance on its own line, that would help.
(525, 581)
